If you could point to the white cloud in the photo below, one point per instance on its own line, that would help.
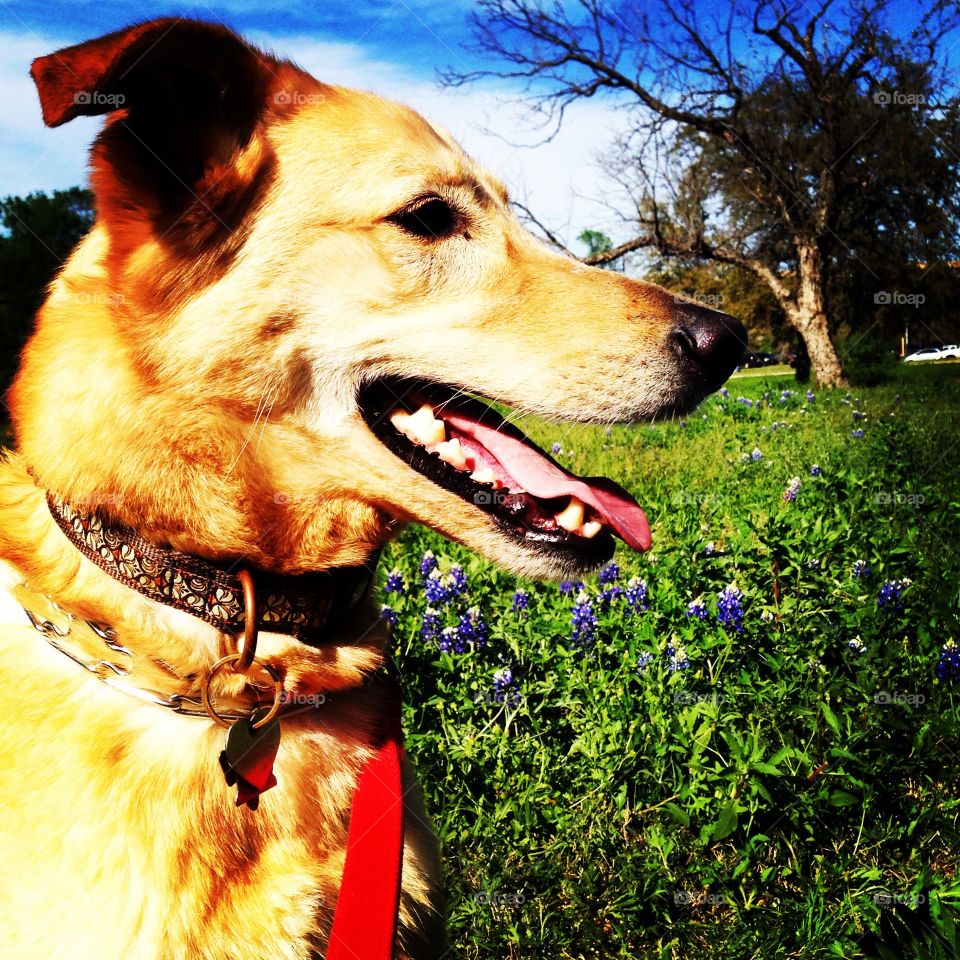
(559, 180)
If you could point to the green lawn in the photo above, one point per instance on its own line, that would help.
(784, 784)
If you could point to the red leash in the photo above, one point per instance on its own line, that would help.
(365, 921)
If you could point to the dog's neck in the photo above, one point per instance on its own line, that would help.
(34, 543)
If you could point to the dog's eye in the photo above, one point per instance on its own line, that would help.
(432, 219)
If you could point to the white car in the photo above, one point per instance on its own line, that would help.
(950, 352)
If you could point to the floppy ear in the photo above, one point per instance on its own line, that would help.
(184, 98)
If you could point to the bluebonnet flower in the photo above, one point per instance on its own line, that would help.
(389, 615)
(785, 395)
(815, 470)
(730, 607)
(505, 688)
(450, 640)
(897, 398)
(860, 569)
(395, 583)
(724, 392)
(856, 645)
(458, 581)
(428, 563)
(811, 396)
(556, 448)
(644, 660)
(710, 549)
(857, 415)
(583, 621)
(678, 657)
(433, 588)
(889, 595)
(775, 425)
(767, 616)
(610, 573)
(571, 586)
(948, 668)
(743, 400)
(756, 454)
(856, 433)
(766, 395)
(683, 423)
(521, 602)
(793, 488)
(813, 564)
(473, 628)
(610, 594)
(430, 624)
(637, 595)
(697, 609)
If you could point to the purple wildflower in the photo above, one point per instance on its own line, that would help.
(637, 594)
(395, 583)
(610, 573)
(556, 448)
(811, 396)
(890, 593)
(521, 601)
(856, 433)
(678, 657)
(724, 392)
(815, 470)
(430, 624)
(584, 621)
(450, 641)
(730, 607)
(697, 609)
(434, 589)
(756, 454)
(505, 688)
(428, 563)
(860, 570)
(389, 615)
(710, 549)
(793, 488)
(744, 401)
(458, 581)
(609, 595)
(948, 667)
(571, 586)
(644, 660)
(473, 628)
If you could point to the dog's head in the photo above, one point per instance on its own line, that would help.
(303, 289)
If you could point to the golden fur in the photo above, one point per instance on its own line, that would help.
(194, 372)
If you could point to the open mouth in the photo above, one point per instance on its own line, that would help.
(466, 447)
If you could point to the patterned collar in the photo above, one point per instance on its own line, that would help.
(307, 606)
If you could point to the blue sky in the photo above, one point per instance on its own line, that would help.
(393, 47)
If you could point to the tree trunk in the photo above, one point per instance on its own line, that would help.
(809, 317)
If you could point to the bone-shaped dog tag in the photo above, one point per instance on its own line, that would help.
(248, 757)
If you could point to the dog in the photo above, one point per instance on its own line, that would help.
(266, 354)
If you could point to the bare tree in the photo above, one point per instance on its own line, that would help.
(753, 133)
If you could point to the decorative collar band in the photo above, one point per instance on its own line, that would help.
(306, 606)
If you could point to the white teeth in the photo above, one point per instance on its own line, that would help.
(590, 529)
(571, 517)
(486, 475)
(421, 427)
(451, 452)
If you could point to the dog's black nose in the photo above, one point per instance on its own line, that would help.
(714, 342)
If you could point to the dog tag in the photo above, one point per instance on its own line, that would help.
(248, 758)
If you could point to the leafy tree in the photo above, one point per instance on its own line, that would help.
(781, 139)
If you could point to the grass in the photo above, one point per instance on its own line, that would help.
(783, 785)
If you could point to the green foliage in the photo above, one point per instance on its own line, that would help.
(793, 792)
(36, 234)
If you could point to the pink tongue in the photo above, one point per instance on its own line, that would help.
(539, 477)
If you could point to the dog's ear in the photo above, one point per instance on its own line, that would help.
(184, 98)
